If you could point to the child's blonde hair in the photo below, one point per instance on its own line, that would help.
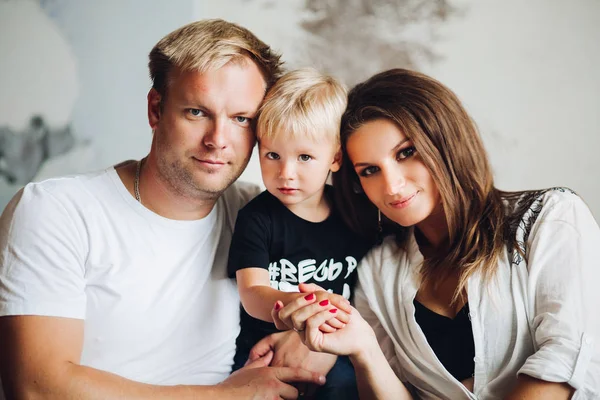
(304, 103)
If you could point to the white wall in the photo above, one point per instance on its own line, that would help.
(110, 41)
(526, 70)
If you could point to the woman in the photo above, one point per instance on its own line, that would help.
(476, 292)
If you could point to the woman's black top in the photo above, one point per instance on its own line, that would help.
(450, 339)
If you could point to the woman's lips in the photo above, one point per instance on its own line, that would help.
(404, 202)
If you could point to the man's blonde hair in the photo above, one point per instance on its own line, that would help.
(303, 103)
(208, 45)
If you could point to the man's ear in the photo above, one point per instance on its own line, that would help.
(337, 161)
(153, 108)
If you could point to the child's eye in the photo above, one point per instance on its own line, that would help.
(368, 171)
(406, 153)
(272, 156)
(304, 157)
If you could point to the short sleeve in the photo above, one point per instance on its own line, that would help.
(563, 294)
(41, 258)
(250, 242)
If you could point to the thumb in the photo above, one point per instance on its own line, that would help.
(263, 361)
(309, 288)
(260, 349)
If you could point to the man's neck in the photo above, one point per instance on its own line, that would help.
(162, 198)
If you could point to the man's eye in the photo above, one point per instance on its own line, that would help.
(272, 156)
(304, 157)
(368, 171)
(196, 112)
(406, 153)
(242, 120)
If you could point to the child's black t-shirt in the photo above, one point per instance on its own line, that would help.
(268, 235)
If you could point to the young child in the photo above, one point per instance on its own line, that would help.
(291, 233)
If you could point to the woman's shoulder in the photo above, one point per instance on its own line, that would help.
(552, 208)
(390, 257)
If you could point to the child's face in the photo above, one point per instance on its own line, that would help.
(295, 169)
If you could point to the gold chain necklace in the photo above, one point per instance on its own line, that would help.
(136, 181)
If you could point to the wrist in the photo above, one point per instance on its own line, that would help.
(368, 353)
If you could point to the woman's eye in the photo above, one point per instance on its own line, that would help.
(242, 120)
(304, 157)
(368, 171)
(196, 112)
(272, 156)
(406, 153)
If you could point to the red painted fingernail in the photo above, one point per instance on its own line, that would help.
(324, 302)
(277, 306)
(309, 297)
(333, 310)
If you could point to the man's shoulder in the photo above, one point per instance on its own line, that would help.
(62, 190)
(239, 194)
(236, 197)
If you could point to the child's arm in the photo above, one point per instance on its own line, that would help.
(258, 297)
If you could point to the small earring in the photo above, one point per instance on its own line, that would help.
(379, 236)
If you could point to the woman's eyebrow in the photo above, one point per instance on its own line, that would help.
(394, 149)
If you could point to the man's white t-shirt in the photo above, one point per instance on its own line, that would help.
(154, 293)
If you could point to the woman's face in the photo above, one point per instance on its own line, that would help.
(393, 174)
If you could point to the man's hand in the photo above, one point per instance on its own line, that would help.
(257, 381)
(289, 351)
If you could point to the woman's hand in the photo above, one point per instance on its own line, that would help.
(306, 316)
(311, 293)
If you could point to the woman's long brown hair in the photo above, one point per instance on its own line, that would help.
(433, 118)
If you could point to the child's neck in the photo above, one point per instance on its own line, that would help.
(312, 210)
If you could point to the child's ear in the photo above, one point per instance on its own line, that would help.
(337, 161)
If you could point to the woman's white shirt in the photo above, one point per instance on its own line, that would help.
(540, 317)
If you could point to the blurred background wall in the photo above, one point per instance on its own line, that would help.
(73, 75)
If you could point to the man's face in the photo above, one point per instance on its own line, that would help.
(202, 134)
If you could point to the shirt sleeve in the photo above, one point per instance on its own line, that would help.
(41, 258)
(366, 309)
(250, 242)
(563, 294)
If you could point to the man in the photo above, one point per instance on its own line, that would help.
(113, 284)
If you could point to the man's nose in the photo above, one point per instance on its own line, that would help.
(216, 136)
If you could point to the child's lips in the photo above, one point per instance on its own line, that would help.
(287, 190)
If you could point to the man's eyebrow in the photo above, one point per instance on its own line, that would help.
(394, 149)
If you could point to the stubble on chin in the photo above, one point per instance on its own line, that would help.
(182, 181)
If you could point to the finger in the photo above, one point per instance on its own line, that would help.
(287, 374)
(340, 302)
(279, 324)
(343, 317)
(261, 348)
(299, 317)
(309, 288)
(335, 322)
(293, 306)
(288, 392)
(326, 328)
(263, 361)
(314, 339)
